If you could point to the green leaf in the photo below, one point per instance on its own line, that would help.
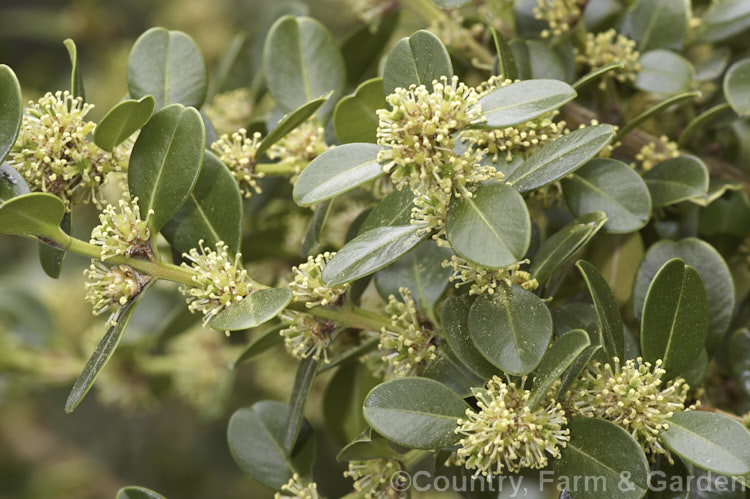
(506, 63)
(364, 46)
(561, 157)
(676, 180)
(393, 210)
(710, 441)
(289, 122)
(590, 454)
(417, 60)
(11, 110)
(166, 161)
(523, 101)
(76, 79)
(135, 492)
(104, 351)
(169, 66)
(36, 214)
(306, 372)
(728, 215)
(723, 20)
(737, 87)
(256, 442)
(618, 256)
(739, 358)
(511, 329)
(657, 25)
(674, 324)
(355, 118)
(456, 329)
(575, 369)
(370, 252)
(596, 73)
(664, 72)
(337, 171)
(563, 352)
(565, 243)
(713, 271)
(302, 62)
(211, 213)
(613, 187)
(256, 308)
(52, 258)
(717, 187)
(492, 227)
(314, 231)
(12, 183)
(343, 400)
(447, 369)
(610, 320)
(367, 445)
(122, 121)
(421, 272)
(419, 413)
(263, 341)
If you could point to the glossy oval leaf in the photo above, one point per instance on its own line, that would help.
(492, 227)
(393, 210)
(52, 258)
(302, 62)
(607, 311)
(166, 161)
(613, 187)
(450, 371)
(511, 329)
(370, 252)
(256, 442)
(561, 157)
(33, 214)
(523, 101)
(563, 352)
(676, 180)
(713, 271)
(417, 60)
(12, 183)
(11, 110)
(367, 445)
(289, 122)
(256, 308)
(307, 369)
(169, 66)
(337, 171)
(563, 244)
(664, 72)
(723, 20)
(343, 400)
(211, 213)
(355, 117)
(135, 492)
(456, 329)
(363, 48)
(122, 121)
(737, 87)
(618, 256)
(674, 324)
(419, 413)
(710, 441)
(589, 453)
(657, 25)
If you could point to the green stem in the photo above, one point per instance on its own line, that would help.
(358, 318)
(651, 112)
(595, 74)
(279, 168)
(699, 121)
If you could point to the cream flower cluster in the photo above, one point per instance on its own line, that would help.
(295, 488)
(373, 478)
(308, 286)
(560, 15)
(231, 110)
(632, 395)
(371, 12)
(123, 233)
(610, 47)
(486, 280)
(406, 345)
(237, 152)
(198, 348)
(657, 151)
(54, 154)
(220, 280)
(109, 289)
(507, 433)
(300, 146)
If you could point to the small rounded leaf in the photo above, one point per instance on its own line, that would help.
(664, 72)
(122, 121)
(737, 87)
(355, 117)
(258, 307)
(34, 214)
(11, 110)
(676, 180)
(523, 101)
(417, 60)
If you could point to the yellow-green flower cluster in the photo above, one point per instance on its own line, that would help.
(237, 151)
(198, 361)
(123, 233)
(407, 344)
(373, 478)
(505, 432)
(231, 110)
(306, 335)
(371, 12)
(657, 151)
(485, 280)
(219, 280)
(560, 15)
(295, 488)
(607, 48)
(308, 286)
(300, 146)
(633, 396)
(109, 289)
(54, 154)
